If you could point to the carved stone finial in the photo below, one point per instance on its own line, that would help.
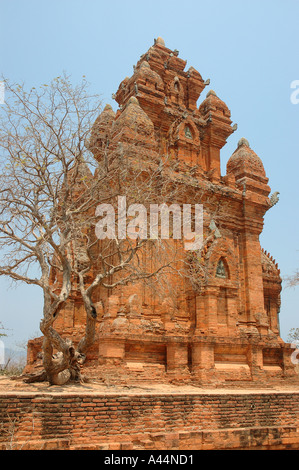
(274, 198)
(211, 92)
(243, 141)
(160, 41)
(133, 100)
(213, 228)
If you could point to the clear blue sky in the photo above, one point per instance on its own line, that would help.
(249, 50)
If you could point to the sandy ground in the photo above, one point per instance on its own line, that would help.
(13, 387)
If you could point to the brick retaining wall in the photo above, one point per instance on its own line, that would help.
(185, 421)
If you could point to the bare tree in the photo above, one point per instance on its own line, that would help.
(50, 187)
(8, 431)
(293, 335)
(2, 330)
(293, 281)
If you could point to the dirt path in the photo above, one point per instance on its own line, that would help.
(12, 387)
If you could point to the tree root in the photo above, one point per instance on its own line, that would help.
(33, 378)
(59, 369)
(43, 377)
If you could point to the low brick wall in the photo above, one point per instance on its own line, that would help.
(177, 421)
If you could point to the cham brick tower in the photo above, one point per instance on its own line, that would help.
(224, 325)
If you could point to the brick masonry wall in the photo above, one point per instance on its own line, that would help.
(171, 422)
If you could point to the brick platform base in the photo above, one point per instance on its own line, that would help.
(199, 421)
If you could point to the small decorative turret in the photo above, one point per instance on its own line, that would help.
(133, 127)
(249, 173)
(217, 129)
(100, 133)
(245, 162)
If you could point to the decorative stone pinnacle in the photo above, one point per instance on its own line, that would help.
(133, 100)
(211, 92)
(145, 64)
(160, 41)
(243, 141)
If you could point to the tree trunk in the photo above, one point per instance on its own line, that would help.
(64, 366)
